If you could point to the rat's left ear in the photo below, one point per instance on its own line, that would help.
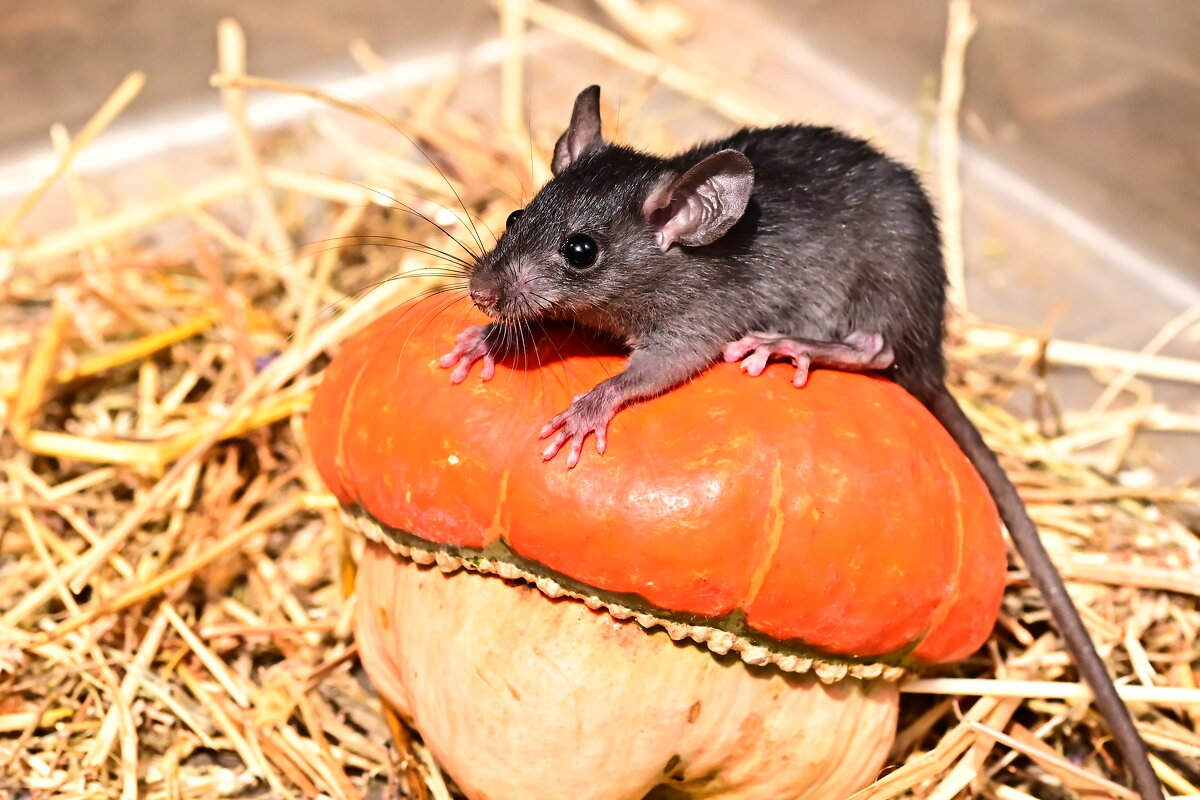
(582, 133)
(702, 204)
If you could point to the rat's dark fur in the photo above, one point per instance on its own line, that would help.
(837, 243)
(836, 238)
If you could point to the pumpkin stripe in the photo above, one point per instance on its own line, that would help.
(773, 535)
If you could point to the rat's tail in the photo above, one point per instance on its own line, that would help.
(1050, 584)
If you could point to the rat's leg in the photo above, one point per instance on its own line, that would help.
(860, 351)
(478, 342)
(652, 370)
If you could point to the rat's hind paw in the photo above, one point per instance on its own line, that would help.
(588, 414)
(860, 351)
(873, 348)
(471, 345)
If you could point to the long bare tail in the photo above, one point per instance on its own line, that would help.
(1050, 584)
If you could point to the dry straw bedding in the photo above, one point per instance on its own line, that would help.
(174, 611)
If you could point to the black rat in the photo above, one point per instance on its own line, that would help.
(794, 242)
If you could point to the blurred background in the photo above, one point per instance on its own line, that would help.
(1080, 159)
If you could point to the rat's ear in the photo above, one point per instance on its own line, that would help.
(702, 204)
(583, 132)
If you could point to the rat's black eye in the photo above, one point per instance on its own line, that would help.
(508, 223)
(580, 250)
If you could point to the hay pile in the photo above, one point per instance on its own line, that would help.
(174, 619)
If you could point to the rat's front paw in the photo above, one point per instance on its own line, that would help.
(590, 413)
(473, 344)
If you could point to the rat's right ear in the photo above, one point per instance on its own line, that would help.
(583, 132)
(701, 205)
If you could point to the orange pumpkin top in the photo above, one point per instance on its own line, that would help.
(838, 519)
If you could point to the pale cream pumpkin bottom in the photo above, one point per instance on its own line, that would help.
(520, 696)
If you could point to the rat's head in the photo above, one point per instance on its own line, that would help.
(607, 228)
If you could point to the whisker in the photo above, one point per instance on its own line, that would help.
(422, 273)
(449, 185)
(383, 240)
(456, 297)
(420, 148)
(432, 162)
(393, 199)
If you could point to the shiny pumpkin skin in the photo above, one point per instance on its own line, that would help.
(518, 696)
(839, 516)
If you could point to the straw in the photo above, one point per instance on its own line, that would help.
(959, 29)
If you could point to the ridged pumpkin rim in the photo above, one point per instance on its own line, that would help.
(717, 640)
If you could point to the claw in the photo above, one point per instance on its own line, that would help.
(555, 445)
(464, 363)
(586, 415)
(861, 350)
(756, 362)
(736, 351)
(471, 345)
(801, 376)
(554, 424)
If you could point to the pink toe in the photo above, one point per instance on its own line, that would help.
(757, 361)
(556, 444)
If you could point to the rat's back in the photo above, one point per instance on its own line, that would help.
(848, 240)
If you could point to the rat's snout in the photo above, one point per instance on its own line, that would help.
(485, 298)
(503, 291)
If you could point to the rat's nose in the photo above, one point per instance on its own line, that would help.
(485, 299)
